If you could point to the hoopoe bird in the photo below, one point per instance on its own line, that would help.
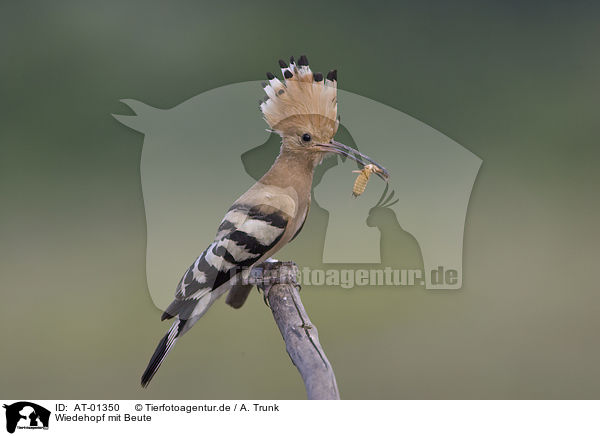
(302, 109)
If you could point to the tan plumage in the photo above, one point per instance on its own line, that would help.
(302, 97)
(303, 111)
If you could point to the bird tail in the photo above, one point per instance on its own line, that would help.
(163, 348)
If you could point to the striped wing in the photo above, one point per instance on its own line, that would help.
(246, 235)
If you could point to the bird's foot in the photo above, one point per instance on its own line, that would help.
(273, 272)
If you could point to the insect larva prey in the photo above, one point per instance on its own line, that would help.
(360, 184)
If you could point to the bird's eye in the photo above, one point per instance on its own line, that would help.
(306, 137)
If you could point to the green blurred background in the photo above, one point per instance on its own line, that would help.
(514, 82)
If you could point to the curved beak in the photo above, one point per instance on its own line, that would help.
(355, 155)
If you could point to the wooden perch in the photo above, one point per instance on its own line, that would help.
(278, 282)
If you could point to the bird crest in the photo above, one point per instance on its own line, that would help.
(301, 94)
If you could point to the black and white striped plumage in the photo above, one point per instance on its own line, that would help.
(303, 111)
(248, 234)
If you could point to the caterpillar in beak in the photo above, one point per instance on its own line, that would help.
(360, 184)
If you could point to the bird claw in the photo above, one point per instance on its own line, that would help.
(266, 297)
(274, 272)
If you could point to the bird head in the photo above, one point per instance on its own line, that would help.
(302, 109)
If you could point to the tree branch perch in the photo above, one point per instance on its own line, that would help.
(278, 282)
